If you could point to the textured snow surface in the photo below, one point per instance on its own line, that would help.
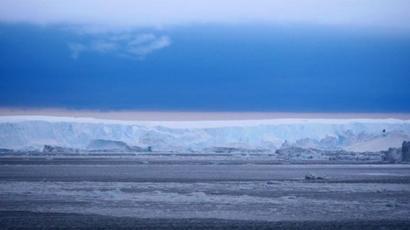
(17, 132)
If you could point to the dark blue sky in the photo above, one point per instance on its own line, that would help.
(206, 68)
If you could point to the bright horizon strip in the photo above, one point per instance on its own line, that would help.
(140, 115)
(125, 14)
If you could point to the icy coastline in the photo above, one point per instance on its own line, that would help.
(356, 135)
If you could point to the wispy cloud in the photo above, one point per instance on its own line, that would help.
(76, 49)
(104, 46)
(124, 44)
(147, 44)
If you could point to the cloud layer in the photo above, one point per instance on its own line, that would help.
(391, 14)
(124, 44)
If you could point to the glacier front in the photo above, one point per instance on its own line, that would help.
(359, 135)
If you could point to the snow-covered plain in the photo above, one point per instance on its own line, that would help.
(236, 192)
(22, 132)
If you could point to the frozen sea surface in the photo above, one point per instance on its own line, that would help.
(225, 193)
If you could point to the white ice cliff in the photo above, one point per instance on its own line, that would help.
(19, 132)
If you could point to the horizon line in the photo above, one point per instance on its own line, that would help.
(157, 115)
